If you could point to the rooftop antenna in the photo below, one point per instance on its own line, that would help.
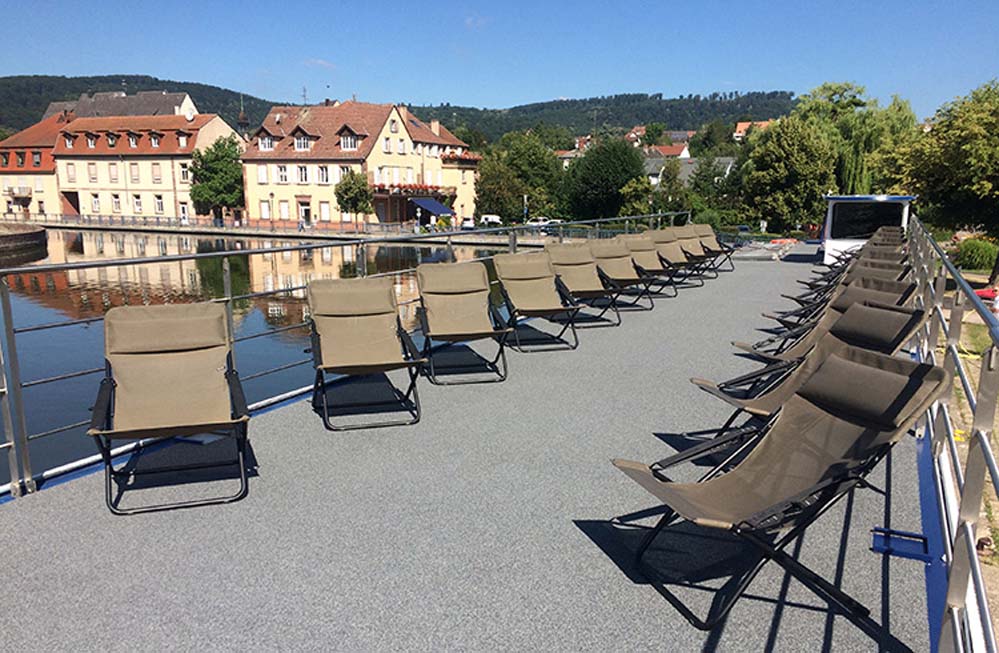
(305, 96)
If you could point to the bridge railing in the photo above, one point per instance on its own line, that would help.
(961, 478)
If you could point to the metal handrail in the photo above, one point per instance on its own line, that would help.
(967, 623)
(12, 406)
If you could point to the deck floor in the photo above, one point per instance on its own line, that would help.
(484, 527)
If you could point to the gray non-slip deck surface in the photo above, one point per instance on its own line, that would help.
(485, 527)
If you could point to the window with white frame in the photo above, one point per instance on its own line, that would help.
(433, 150)
(394, 126)
(303, 174)
(402, 146)
(324, 211)
(387, 145)
(113, 172)
(137, 203)
(95, 203)
(284, 209)
(324, 174)
(154, 140)
(419, 148)
(343, 171)
(463, 175)
(112, 139)
(265, 210)
(440, 177)
(69, 143)
(92, 172)
(70, 172)
(302, 143)
(348, 142)
(158, 203)
(261, 173)
(91, 141)
(185, 173)
(182, 140)
(133, 172)
(266, 143)
(395, 176)
(282, 174)
(157, 173)
(116, 203)
(378, 176)
(133, 140)
(39, 185)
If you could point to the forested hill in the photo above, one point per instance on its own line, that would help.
(616, 112)
(23, 98)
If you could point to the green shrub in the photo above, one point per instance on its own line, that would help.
(975, 254)
(709, 216)
(800, 235)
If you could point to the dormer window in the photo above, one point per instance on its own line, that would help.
(266, 143)
(91, 142)
(301, 143)
(394, 126)
(348, 142)
(69, 142)
(154, 140)
(182, 140)
(133, 140)
(112, 140)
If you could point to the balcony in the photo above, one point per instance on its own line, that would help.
(19, 192)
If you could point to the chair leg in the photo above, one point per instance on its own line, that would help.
(411, 390)
(570, 325)
(499, 370)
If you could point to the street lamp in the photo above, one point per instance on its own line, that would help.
(270, 210)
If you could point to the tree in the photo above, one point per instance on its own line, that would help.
(704, 180)
(593, 187)
(670, 193)
(353, 194)
(531, 160)
(556, 137)
(498, 188)
(791, 171)
(473, 137)
(715, 136)
(217, 177)
(636, 196)
(654, 133)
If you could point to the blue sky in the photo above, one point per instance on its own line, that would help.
(499, 54)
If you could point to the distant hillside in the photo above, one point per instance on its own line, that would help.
(616, 112)
(23, 98)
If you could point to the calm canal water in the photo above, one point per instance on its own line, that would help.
(43, 298)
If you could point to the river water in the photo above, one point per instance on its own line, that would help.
(44, 298)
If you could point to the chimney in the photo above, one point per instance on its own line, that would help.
(435, 127)
(327, 102)
(403, 112)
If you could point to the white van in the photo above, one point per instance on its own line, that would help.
(852, 219)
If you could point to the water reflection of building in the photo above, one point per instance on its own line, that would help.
(90, 292)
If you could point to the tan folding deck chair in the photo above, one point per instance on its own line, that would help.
(168, 373)
(531, 289)
(713, 247)
(827, 437)
(690, 243)
(672, 257)
(795, 343)
(356, 331)
(617, 270)
(881, 328)
(645, 258)
(577, 271)
(455, 307)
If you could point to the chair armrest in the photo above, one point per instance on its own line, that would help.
(236, 395)
(510, 308)
(777, 515)
(409, 347)
(606, 280)
(421, 315)
(99, 420)
(758, 374)
(315, 346)
(728, 438)
(564, 293)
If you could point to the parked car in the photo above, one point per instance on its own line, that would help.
(538, 221)
(467, 224)
(491, 220)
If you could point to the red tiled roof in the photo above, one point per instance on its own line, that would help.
(743, 127)
(670, 150)
(325, 122)
(168, 127)
(44, 133)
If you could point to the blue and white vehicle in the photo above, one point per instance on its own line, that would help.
(852, 219)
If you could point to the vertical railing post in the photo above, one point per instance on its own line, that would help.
(450, 250)
(512, 238)
(227, 290)
(8, 430)
(361, 259)
(19, 422)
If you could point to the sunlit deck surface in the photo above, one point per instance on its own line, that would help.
(484, 527)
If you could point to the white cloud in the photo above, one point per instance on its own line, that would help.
(320, 63)
(475, 22)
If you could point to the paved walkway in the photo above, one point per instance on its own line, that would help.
(485, 527)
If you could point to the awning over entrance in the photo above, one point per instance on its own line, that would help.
(431, 206)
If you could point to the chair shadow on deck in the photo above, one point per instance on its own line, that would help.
(369, 394)
(203, 460)
(528, 335)
(704, 567)
(459, 359)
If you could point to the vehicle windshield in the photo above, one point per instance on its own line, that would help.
(862, 219)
